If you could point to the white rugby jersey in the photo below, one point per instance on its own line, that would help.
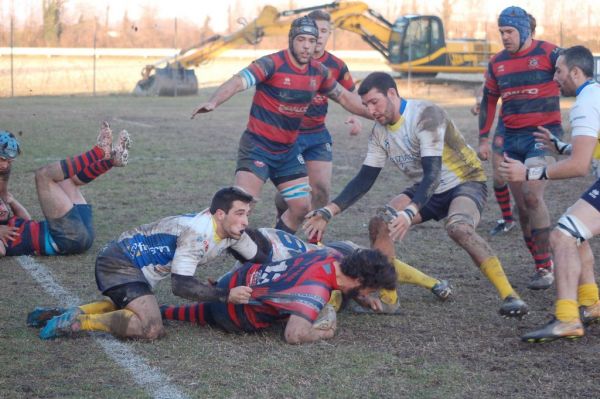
(285, 245)
(179, 244)
(585, 114)
(424, 130)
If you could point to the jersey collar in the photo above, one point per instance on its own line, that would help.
(580, 88)
(400, 121)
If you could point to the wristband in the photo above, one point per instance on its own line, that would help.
(537, 173)
(325, 213)
(410, 213)
(561, 147)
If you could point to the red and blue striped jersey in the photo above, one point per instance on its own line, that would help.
(314, 119)
(283, 94)
(299, 286)
(524, 81)
(34, 238)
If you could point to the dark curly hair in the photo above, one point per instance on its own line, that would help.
(371, 268)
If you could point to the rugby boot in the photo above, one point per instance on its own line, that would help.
(502, 227)
(542, 279)
(105, 139)
(555, 329)
(39, 316)
(61, 325)
(513, 306)
(326, 319)
(442, 290)
(120, 152)
(590, 314)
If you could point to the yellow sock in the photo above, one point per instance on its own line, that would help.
(566, 310)
(587, 294)
(388, 296)
(335, 300)
(98, 307)
(112, 322)
(492, 269)
(409, 275)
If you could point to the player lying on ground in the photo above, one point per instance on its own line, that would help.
(293, 291)
(68, 227)
(283, 245)
(127, 269)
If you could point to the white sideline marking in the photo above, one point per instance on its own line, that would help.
(147, 377)
(133, 123)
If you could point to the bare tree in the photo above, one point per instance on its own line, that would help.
(53, 28)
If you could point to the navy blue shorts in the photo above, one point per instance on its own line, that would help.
(521, 145)
(279, 167)
(316, 146)
(74, 232)
(437, 206)
(592, 195)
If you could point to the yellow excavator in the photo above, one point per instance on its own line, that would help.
(413, 43)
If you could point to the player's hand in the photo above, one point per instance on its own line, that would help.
(512, 170)
(371, 302)
(355, 126)
(316, 223)
(484, 149)
(8, 198)
(8, 233)
(476, 109)
(239, 295)
(399, 226)
(549, 141)
(204, 108)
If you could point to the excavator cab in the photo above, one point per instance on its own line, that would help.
(418, 38)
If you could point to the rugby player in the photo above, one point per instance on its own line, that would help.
(128, 269)
(68, 227)
(420, 138)
(577, 303)
(294, 291)
(286, 83)
(521, 75)
(501, 189)
(314, 139)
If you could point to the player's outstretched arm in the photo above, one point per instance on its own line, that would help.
(223, 93)
(189, 287)
(299, 331)
(349, 100)
(18, 209)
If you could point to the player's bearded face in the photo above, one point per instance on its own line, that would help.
(562, 76)
(303, 48)
(380, 106)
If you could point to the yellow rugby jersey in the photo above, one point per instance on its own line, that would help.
(425, 130)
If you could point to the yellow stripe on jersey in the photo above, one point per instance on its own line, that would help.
(216, 237)
(394, 127)
(459, 158)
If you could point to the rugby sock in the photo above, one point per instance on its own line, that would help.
(336, 299)
(492, 269)
(587, 294)
(529, 244)
(112, 322)
(94, 170)
(73, 165)
(541, 248)
(502, 194)
(98, 307)
(192, 313)
(566, 310)
(409, 275)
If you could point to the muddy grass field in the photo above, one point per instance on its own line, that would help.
(457, 349)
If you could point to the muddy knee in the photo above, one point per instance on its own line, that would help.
(460, 226)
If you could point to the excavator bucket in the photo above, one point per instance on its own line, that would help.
(169, 81)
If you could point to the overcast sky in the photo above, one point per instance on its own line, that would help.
(197, 10)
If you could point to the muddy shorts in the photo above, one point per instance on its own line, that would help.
(280, 167)
(438, 205)
(316, 146)
(74, 232)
